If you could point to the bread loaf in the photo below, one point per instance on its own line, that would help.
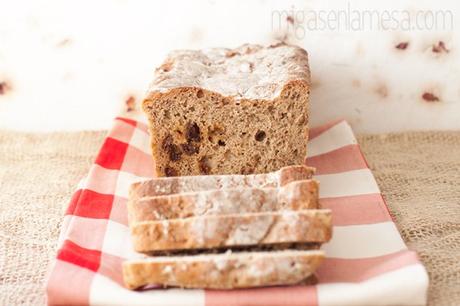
(223, 271)
(229, 111)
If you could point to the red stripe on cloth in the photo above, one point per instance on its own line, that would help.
(272, 296)
(129, 121)
(357, 270)
(68, 284)
(91, 204)
(75, 254)
(73, 202)
(112, 154)
(355, 210)
(316, 131)
(344, 159)
(138, 124)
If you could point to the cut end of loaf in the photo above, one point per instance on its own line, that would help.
(208, 115)
(196, 132)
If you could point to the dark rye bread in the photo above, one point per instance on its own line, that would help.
(235, 230)
(228, 270)
(185, 184)
(229, 111)
(297, 195)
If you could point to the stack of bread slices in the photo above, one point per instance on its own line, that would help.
(227, 231)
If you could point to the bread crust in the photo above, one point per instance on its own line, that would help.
(224, 271)
(250, 72)
(225, 231)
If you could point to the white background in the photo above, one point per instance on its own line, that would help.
(71, 65)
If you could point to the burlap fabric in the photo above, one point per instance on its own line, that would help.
(37, 176)
(419, 174)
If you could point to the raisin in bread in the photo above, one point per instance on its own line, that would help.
(229, 111)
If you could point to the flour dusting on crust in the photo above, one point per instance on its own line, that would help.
(247, 72)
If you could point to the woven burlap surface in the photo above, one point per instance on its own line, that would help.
(419, 174)
(37, 177)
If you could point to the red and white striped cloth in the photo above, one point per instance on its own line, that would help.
(367, 261)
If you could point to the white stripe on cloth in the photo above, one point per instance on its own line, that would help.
(124, 181)
(64, 229)
(104, 291)
(363, 241)
(355, 182)
(338, 136)
(108, 181)
(117, 241)
(405, 286)
(86, 232)
(141, 141)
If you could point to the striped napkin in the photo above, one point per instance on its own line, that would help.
(367, 261)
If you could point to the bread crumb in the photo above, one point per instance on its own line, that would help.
(64, 42)
(430, 97)
(440, 48)
(356, 83)
(4, 87)
(165, 224)
(221, 264)
(130, 103)
(381, 90)
(402, 46)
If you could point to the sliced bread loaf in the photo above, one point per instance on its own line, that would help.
(223, 271)
(225, 231)
(174, 185)
(296, 195)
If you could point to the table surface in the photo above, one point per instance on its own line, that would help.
(73, 65)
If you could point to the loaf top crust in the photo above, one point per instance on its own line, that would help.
(247, 72)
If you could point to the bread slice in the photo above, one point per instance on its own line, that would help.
(229, 111)
(226, 231)
(175, 185)
(296, 195)
(223, 271)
